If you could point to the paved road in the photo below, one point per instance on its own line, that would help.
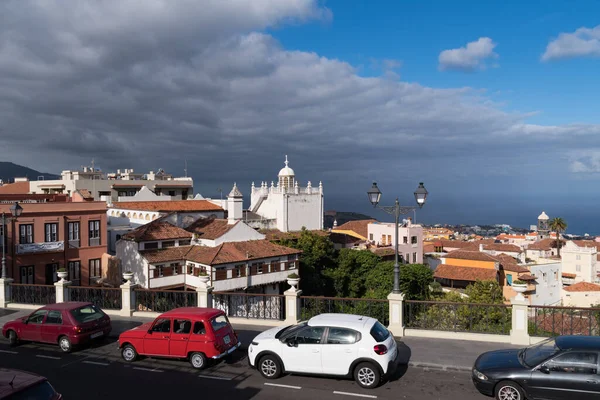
(98, 373)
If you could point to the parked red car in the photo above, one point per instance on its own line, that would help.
(67, 324)
(16, 385)
(192, 333)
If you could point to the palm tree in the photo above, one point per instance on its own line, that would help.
(558, 225)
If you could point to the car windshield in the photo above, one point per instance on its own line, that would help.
(379, 332)
(290, 330)
(39, 391)
(87, 314)
(534, 355)
(219, 322)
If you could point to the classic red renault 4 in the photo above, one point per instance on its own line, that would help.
(192, 333)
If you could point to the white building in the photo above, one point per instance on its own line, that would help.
(548, 286)
(410, 239)
(286, 206)
(580, 259)
(582, 294)
(115, 186)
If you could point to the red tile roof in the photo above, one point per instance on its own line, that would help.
(470, 255)
(559, 323)
(210, 228)
(15, 188)
(169, 254)
(359, 226)
(568, 275)
(509, 263)
(157, 230)
(510, 248)
(454, 244)
(583, 287)
(527, 277)
(429, 248)
(57, 207)
(544, 244)
(471, 274)
(168, 206)
(587, 243)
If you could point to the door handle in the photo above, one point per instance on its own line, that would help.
(590, 381)
(165, 337)
(184, 338)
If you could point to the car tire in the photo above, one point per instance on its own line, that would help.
(367, 375)
(198, 360)
(128, 353)
(269, 367)
(507, 390)
(65, 344)
(13, 340)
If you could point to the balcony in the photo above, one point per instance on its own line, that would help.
(45, 247)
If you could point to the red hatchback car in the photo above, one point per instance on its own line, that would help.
(22, 385)
(67, 324)
(192, 333)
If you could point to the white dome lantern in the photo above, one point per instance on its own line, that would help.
(286, 176)
(286, 171)
(543, 217)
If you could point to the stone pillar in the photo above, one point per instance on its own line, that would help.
(519, 334)
(62, 291)
(128, 299)
(396, 314)
(205, 296)
(292, 305)
(5, 292)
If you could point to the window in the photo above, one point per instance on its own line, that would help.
(238, 271)
(310, 335)
(95, 269)
(383, 240)
(73, 230)
(87, 314)
(342, 336)
(407, 258)
(577, 362)
(182, 326)
(174, 268)
(51, 232)
(184, 194)
(578, 257)
(158, 271)
(27, 275)
(259, 268)
(509, 279)
(41, 390)
(199, 328)
(370, 236)
(185, 242)
(413, 240)
(405, 239)
(94, 233)
(171, 193)
(170, 243)
(389, 239)
(150, 245)
(54, 317)
(219, 322)
(25, 233)
(162, 325)
(75, 272)
(414, 258)
(578, 268)
(37, 317)
(379, 332)
(122, 194)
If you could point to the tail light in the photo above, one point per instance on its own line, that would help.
(77, 329)
(218, 346)
(380, 349)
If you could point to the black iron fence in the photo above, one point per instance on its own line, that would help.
(555, 321)
(458, 317)
(250, 305)
(375, 308)
(33, 294)
(107, 298)
(164, 300)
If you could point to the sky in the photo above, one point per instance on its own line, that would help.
(491, 104)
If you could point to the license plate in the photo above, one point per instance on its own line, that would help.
(97, 334)
(226, 339)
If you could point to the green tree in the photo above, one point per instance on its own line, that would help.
(414, 280)
(348, 276)
(558, 225)
(486, 292)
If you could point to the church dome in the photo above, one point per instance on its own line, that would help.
(543, 216)
(286, 171)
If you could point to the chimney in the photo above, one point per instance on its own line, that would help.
(481, 247)
(235, 203)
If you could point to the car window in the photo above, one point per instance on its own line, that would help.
(37, 317)
(533, 355)
(219, 322)
(87, 314)
(310, 335)
(342, 336)
(576, 362)
(39, 391)
(199, 328)
(182, 326)
(54, 317)
(379, 332)
(162, 325)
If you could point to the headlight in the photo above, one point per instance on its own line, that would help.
(479, 375)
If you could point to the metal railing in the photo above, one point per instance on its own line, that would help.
(107, 298)
(555, 321)
(164, 300)
(458, 317)
(32, 294)
(250, 305)
(375, 308)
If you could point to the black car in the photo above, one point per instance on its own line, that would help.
(565, 367)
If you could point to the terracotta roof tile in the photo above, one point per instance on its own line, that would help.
(429, 248)
(563, 324)
(210, 228)
(359, 226)
(583, 287)
(58, 207)
(15, 188)
(470, 274)
(454, 244)
(510, 248)
(168, 206)
(166, 255)
(527, 277)
(568, 275)
(544, 244)
(85, 194)
(587, 243)
(157, 230)
(470, 255)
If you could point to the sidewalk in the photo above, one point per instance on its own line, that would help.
(445, 354)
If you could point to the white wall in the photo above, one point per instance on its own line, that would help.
(131, 260)
(294, 211)
(549, 284)
(581, 261)
(580, 299)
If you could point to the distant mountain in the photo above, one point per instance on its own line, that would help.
(9, 171)
(342, 217)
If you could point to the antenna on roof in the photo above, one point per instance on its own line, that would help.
(11, 382)
(185, 168)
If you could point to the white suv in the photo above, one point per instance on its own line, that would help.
(328, 344)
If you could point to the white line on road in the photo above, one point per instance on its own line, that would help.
(283, 386)
(95, 363)
(147, 369)
(369, 396)
(49, 357)
(214, 377)
(9, 352)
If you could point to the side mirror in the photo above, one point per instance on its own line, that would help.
(291, 342)
(26, 320)
(544, 369)
(149, 331)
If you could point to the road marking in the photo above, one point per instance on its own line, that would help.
(95, 363)
(147, 369)
(214, 377)
(49, 357)
(283, 386)
(9, 352)
(369, 396)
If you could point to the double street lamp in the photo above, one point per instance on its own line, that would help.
(15, 211)
(397, 210)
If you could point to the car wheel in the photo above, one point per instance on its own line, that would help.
(269, 367)
(367, 375)
(65, 344)
(198, 360)
(13, 340)
(507, 390)
(128, 353)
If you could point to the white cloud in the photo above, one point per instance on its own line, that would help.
(584, 161)
(468, 58)
(583, 42)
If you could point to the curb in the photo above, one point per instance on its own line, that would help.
(448, 368)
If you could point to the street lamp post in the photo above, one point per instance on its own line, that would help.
(15, 211)
(397, 210)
